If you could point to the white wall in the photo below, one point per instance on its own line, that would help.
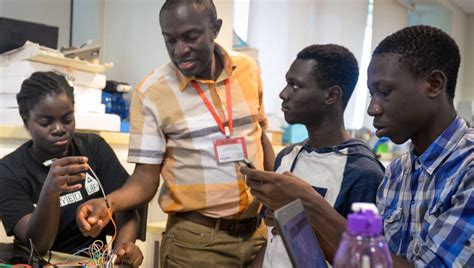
(389, 17)
(130, 35)
(50, 12)
(225, 12)
(280, 29)
(467, 92)
(132, 39)
(88, 21)
(458, 32)
(334, 27)
(455, 21)
(268, 32)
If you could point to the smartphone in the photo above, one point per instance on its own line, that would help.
(248, 163)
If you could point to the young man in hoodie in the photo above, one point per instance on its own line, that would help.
(343, 170)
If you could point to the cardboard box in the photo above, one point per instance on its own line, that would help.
(87, 96)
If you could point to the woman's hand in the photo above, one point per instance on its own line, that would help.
(65, 173)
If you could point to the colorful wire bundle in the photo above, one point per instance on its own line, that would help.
(100, 255)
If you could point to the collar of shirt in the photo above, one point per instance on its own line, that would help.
(441, 148)
(229, 67)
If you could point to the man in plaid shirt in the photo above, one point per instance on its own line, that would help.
(427, 195)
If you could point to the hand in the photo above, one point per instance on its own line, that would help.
(92, 217)
(130, 254)
(64, 172)
(275, 190)
(269, 219)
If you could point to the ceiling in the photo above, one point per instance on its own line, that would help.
(465, 5)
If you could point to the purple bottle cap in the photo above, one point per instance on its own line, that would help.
(365, 223)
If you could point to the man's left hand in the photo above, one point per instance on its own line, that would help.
(129, 253)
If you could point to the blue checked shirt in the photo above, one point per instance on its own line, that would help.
(427, 201)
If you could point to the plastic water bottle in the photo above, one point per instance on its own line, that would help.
(363, 245)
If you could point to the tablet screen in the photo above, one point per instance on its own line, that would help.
(301, 242)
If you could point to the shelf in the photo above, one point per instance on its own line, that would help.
(20, 133)
(113, 138)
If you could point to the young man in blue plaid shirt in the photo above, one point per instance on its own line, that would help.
(427, 195)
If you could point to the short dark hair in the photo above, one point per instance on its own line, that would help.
(208, 5)
(423, 49)
(38, 86)
(336, 66)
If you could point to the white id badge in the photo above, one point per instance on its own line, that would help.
(230, 149)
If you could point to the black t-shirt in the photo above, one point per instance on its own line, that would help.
(22, 177)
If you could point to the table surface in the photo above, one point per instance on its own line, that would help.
(14, 253)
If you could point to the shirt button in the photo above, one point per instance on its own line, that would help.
(274, 231)
(410, 238)
(467, 243)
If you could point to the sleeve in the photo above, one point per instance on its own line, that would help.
(360, 184)
(14, 200)
(147, 140)
(110, 171)
(448, 239)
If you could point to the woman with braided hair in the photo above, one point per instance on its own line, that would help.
(44, 180)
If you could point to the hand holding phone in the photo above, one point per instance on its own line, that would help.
(248, 163)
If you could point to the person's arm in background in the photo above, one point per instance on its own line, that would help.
(139, 189)
(275, 190)
(47, 211)
(268, 153)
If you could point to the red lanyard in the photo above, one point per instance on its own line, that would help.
(213, 111)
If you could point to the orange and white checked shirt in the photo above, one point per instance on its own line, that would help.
(170, 125)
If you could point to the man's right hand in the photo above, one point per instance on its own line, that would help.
(92, 217)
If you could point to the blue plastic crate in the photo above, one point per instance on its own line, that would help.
(294, 133)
